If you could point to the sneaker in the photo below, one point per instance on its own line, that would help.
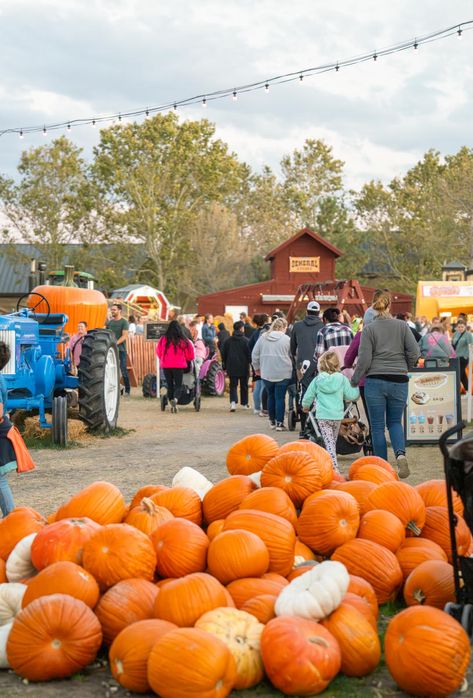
(232, 407)
(272, 425)
(126, 395)
(280, 427)
(246, 407)
(256, 412)
(174, 405)
(402, 466)
(261, 414)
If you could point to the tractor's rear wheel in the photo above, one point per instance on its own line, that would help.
(99, 381)
(59, 421)
(149, 385)
(214, 381)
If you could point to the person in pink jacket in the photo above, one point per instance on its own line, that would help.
(174, 352)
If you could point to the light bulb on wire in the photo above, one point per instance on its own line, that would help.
(301, 79)
(266, 88)
(375, 56)
(204, 102)
(459, 32)
(234, 96)
(416, 45)
(21, 134)
(68, 128)
(44, 131)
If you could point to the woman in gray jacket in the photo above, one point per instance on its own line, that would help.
(387, 352)
(271, 359)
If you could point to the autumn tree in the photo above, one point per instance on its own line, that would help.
(154, 179)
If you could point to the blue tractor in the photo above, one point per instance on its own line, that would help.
(40, 376)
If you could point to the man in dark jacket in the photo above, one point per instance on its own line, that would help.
(304, 335)
(236, 358)
(222, 335)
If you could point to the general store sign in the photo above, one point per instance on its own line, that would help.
(304, 264)
(447, 290)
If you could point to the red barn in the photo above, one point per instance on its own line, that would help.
(304, 259)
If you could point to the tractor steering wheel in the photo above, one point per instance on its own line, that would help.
(20, 306)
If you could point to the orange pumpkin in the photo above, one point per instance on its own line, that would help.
(62, 540)
(358, 640)
(437, 530)
(147, 516)
(77, 303)
(302, 553)
(225, 497)
(430, 584)
(427, 652)
(3, 575)
(146, 491)
(301, 569)
(295, 472)
(261, 607)
(382, 527)
(369, 460)
(21, 522)
(362, 606)
(360, 489)
(53, 637)
(328, 521)
(130, 650)
(181, 548)
(276, 533)
(250, 454)
(117, 552)
(190, 661)
(63, 577)
(182, 502)
(273, 500)
(374, 473)
(373, 562)
(300, 656)
(242, 590)
(184, 600)
(414, 551)
(126, 602)
(215, 528)
(361, 587)
(403, 501)
(101, 501)
(434, 494)
(318, 454)
(236, 554)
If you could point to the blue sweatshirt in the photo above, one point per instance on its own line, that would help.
(329, 390)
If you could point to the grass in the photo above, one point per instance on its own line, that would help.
(118, 432)
(46, 441)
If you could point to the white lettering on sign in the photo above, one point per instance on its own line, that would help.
(449, 289)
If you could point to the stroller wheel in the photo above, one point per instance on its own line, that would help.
(292, 420)
(467, 619)
(455, 610)
(197, 403)
(164, 402)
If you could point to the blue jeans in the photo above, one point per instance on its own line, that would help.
(257, 394)
(276, 399)
(386, 402)
(124, 370)
(6, 498)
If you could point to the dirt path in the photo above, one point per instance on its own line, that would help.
(158, 446)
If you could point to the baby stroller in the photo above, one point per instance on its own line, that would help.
(352, 436)
(190, 391)
(303, 378)
(458, 466)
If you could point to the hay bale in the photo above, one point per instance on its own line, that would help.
(32, 429)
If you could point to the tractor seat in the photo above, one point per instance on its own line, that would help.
(52, 319)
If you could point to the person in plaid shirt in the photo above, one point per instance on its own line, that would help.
(333, 334)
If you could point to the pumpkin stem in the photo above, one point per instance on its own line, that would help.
(318, 641)
(69, 275)
(412, 526)
(148, 505)
(419, 596)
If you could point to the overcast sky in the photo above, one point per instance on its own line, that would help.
(63, 59)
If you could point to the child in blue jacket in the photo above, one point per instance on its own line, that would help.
(330, 388)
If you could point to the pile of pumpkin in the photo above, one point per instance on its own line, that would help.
(201, 588)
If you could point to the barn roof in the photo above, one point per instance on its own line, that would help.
(301, 233)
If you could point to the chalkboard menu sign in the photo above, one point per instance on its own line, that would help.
(155, 330)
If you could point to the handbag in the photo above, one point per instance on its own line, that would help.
(24, 462)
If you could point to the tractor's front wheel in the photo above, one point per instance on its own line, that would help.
(99, 381)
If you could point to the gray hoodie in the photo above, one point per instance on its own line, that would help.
(271, 356)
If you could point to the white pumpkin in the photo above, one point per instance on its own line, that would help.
(19, 565)
(316, 593)
(256, 478)
(241, 632)
(11, 596)
(191, 478)
(4, 633)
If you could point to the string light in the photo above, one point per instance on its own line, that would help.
(299, 75)
(21, 134)
(204, 102)
(146, 113)
(93, 123)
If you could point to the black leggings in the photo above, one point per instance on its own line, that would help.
(463, 376)
(243, 380)
(174, 382)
